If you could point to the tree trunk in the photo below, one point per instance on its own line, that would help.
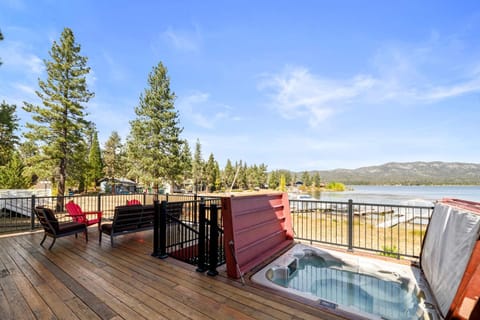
(61, 186)
(155, 191)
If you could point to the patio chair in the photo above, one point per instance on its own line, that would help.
(75, 211)
(134, 202)
(54, 229)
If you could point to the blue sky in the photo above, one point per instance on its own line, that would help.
(297, 85)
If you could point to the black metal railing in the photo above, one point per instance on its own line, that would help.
(195, 237)
(389, 229)
(16, 212)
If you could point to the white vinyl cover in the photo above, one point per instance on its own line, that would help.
(447, 248)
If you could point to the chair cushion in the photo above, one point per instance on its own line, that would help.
(70, 226)
(107, 228)
(50, 216)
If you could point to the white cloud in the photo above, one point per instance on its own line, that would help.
(183, 40)
(25, 89)
(296, 92)
(202, 111)
(16, 57)
(407, 74)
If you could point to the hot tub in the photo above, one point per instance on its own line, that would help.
(361, 286)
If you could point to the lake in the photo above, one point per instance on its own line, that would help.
(407, 195)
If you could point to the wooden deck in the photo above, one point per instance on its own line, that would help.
(79, 280)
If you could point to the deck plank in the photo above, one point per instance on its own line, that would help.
(18, 306)
(266, 308)
(48, 287)
(136, 277)
(79, 280)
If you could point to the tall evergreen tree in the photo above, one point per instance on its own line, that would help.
(306, 179)
(112, 158)
(8, 126)
(78, 167)
(95, 163)
(155, 134)
(242, 175)
(59, 127)
(262, 172)
(211, 173)
(228, 175)
(197, 167)
(218, 177)
(186, 162)
(273, 180)
(316, 179)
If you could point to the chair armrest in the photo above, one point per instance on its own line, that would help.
(75, 214)
(97, 213)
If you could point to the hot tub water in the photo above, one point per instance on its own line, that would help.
(354, 284)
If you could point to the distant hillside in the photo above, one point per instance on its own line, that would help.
(408, 173)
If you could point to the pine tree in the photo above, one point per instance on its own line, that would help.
(95, 163)
(12, 174)
(306, 179)
(186, 162)
(154, 140)
(242, 176)
(8, 126)
(211, 173)
(218, 177)
(197, 167)
(273, 180)
(262, 172)
(112, 158)
(78, 164)
(228, 175)
(59, 128)
(316, 179)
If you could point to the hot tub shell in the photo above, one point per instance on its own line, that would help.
(410, 277)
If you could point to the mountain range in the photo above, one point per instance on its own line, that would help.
(407, 173)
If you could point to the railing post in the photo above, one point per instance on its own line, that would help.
(195, 209)
(99, 202)
(201, 239)
(156, 226)
(163, 230)
(213, 244)
(32, 214)
(166, 196)
(144, 198)
(350, 225)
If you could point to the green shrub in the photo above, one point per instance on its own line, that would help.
(389, 251)
(336, 186)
